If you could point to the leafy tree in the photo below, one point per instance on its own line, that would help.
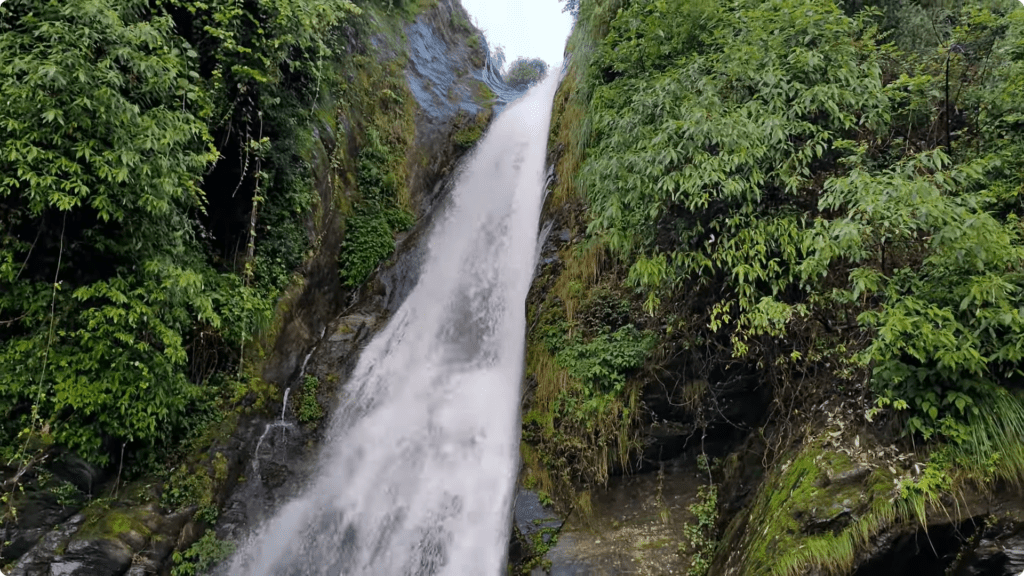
(778, 173)
(101, 157)
(525, 72)
(112, 287)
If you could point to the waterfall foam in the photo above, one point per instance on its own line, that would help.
(418, 469)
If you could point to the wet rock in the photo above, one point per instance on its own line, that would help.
(93, 558)
(997, 557)
(150, 560)
(273, 475)
(573, 557)
(446, 84)
(666, 440)
(855, 475)
(38, 513)
(635, 527)
(106, 542)
(37, 561)
(831, 519)
(533, 519)
(72, 468)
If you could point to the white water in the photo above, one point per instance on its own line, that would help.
(284, 403)
(418, 471)
(281, 423)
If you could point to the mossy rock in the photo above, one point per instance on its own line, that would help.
(105, 522)
(816, 511)
(468, 135)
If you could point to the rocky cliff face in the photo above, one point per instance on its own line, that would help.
(243, 468)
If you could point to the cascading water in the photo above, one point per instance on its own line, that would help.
(419, 465)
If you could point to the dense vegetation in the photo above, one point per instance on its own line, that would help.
(157, 194)
(819, 198)
(524, 72)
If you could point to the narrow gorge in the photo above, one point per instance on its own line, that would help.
(325, 287)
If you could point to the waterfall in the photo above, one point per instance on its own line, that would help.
(418, 468)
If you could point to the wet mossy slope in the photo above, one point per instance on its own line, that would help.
(771, 225)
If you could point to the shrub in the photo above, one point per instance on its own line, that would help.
(525, 72)
(202, 555)
(310, 410)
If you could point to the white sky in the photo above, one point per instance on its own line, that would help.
(530, 28)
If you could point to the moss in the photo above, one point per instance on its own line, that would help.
(483, 96)
(538, 545)
(220, 468)
(471, 131)
(466, 137)
(105, 522)
(803, 522)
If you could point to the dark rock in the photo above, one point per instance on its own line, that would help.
(666, 440)
(565, 563)
(990, 558)
(910, 551)
(38, 513)
(635, 526)
(37, 561)
(72, 468)
(93, 558)
(574, 555)
(149, 560)
(832, 519)
(855, 475)
(273, 475)
(1000, 551)
(531, 517)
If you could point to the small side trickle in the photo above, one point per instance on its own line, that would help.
(279, 423)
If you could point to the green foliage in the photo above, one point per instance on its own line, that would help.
(525, 72)
(369, 233)
(724, 138)
(310, 410)
(628, 49)
(699, 535)
(185, 488)
(820, 196)
(466, 137)
(586, 400)
(93, 114)
(113, 293)
(948, 325)
(368, 241)
(201, 556)
(545, 499)
(85, 351)
(67, 494)
(571, 6)
(763, 139)
(601, 364)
